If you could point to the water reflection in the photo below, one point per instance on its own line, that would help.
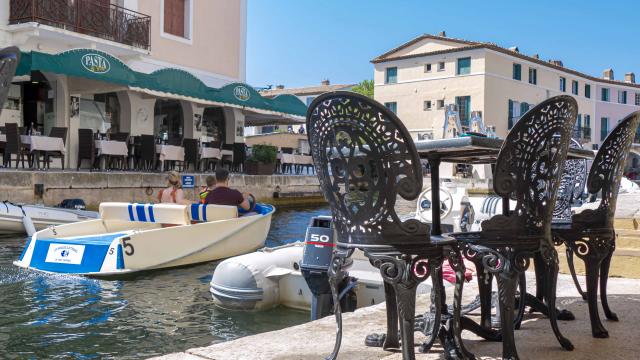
(154, 313)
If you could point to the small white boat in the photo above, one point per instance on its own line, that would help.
(134, 237)
(22, 218)
(271, 277)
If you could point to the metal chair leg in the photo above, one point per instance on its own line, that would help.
(572, 270)
(550, 295)
(336, 275)
(604, 276)
(507, 281)
(457, 264)
(592, 266)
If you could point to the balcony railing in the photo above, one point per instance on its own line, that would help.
(88, 17)
(582, 133)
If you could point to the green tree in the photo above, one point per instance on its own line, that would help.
(365, 87)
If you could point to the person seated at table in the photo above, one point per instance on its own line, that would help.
(223, 195)
(173, 193)
(211, 184)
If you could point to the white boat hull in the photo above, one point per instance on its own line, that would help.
(107, 247)
(42, 216)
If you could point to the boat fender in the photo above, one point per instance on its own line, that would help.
(29, 228)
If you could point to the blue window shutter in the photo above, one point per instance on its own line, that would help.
(510, 113)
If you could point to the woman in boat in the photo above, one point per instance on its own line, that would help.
(173, 193)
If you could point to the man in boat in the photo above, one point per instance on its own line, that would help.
(223, 195)
(211, 183)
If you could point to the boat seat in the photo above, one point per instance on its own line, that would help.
(210, 212)
(155, 213)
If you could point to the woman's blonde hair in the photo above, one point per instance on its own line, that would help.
(174, 179)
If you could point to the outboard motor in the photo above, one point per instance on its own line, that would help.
(316, 259)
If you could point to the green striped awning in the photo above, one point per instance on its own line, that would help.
(101, 66)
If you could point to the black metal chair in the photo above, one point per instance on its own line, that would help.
(86, 148)
(239, 156)
(527, 170)
(591, 235)
(226, 159)
(14, 146)
(365, 158)
(147, 152)
(190, 154)
(56, 132)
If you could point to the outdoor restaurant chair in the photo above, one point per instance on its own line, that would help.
(239, 156)
(527, 170)
(286, 167)
(147, 152)
(190, 154)
(14, 146)
(364, 159)
(591, 234)
(209, 164)
(119, 162)
(86, 147)
(56, 132)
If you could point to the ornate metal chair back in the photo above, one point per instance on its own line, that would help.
(364, 158)
(9, 59)
(606, 173)
(571, 186)
(529, 167)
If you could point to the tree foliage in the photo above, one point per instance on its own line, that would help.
(365, 87)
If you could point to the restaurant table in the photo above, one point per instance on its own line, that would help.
(169, 153)
(38, 143)
(110, 148)
(295, 159)
(466, 150)
(210, 153)
(227, 154)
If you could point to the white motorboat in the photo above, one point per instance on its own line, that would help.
(134, 237)
(22, 218)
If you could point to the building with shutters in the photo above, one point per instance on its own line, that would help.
(419, 78)
(174, 67)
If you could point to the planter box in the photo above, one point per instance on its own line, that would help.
(258, 168)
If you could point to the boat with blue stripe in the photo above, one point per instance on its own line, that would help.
(131, 237)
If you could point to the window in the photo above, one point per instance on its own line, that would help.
(464, 109)
(517, 72)
(579, 121)
(622, 96)
(533, 76)
(515, 111)
(604, 128)
(391, 75)
(441, 66)
(393, 106)
(587, 127)
(427, 67)
(574, 87)
(464, 66)
(637, 99)
(177, 18)
(563, 84)
(587, 91)
(440, 104)
(605, 94)
(427, 105)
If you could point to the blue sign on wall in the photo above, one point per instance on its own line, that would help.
(188, 181)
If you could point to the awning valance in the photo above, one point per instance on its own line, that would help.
(173, 83)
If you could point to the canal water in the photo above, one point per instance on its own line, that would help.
(154, 313)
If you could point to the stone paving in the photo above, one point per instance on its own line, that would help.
(535, 340)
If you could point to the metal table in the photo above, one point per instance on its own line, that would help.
(466, 150)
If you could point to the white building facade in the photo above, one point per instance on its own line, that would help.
(420, 78)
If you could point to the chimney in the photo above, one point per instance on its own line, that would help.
(556, 62)
(326, 82)
(279, 87)
(630, 78)
(536, 56)
(607, 74)
(442, 34)
(514, 49)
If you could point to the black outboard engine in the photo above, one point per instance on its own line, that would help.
(75, 204)
(316, 259)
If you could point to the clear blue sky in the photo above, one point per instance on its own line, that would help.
(300, 42)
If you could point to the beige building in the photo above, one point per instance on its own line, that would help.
(171, 68)
(420, 78)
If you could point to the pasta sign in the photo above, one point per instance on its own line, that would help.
(241, 93)
(96, 63)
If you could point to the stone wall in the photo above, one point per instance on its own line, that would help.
(94, 188)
